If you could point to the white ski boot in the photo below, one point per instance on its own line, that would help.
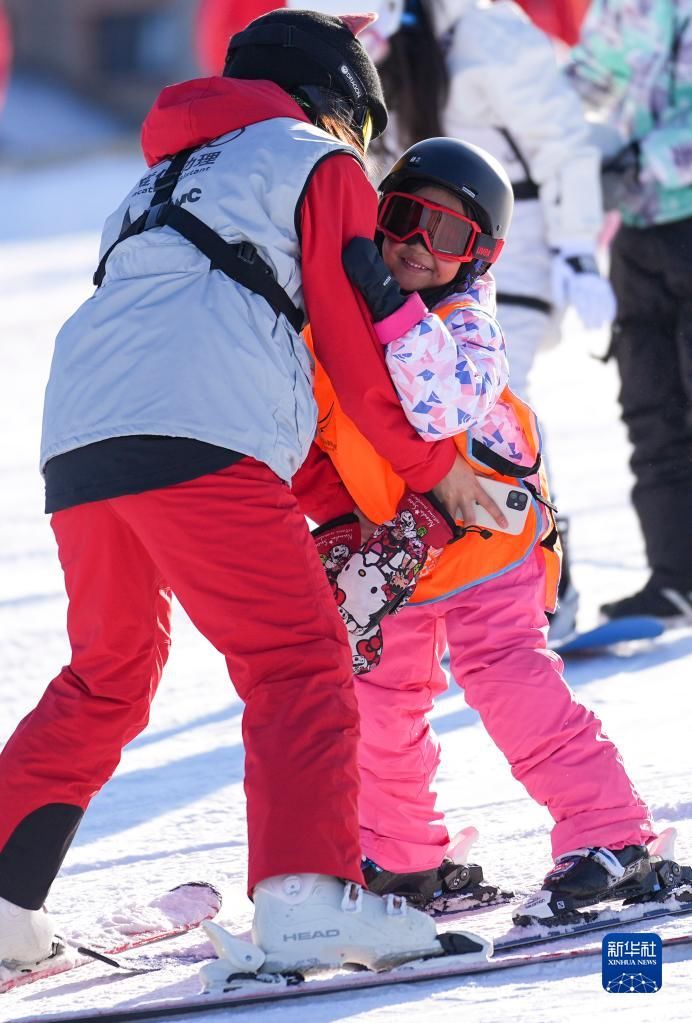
(27, 936)
(311, 921)
(563, 620)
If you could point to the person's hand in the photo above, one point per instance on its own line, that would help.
(577, 281)
(459, 491)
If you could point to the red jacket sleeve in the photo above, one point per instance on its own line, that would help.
(320, 491)
(339, 205)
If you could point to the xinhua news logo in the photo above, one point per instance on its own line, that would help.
(632, 963)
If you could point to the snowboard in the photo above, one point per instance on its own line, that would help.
(618, 630)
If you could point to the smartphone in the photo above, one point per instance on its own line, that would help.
(512, 500)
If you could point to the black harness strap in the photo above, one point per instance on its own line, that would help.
(136, 227)
(527, 301)
(240, 261)
(163, 190)
(539, 497)
(526, 189)
(500, 464)
(167, 180)
(550, 540)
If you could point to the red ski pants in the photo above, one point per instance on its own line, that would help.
(234, 548)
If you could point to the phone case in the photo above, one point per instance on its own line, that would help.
(514, 501)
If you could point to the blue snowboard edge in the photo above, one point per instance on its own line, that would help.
(619, 630)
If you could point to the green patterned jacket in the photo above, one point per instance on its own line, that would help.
(633, 69)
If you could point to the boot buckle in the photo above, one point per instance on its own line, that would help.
(352, 901)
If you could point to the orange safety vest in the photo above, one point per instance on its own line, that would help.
(376, 490)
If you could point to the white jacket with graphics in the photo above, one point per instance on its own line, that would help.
(508, 95)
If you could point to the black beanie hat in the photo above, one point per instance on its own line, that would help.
(297, 48)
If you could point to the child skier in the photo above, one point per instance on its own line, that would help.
(444, 211)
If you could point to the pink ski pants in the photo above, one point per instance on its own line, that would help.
(555, 746)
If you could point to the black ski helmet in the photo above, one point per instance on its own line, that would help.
(476, 177)
(299, 49)
(468, 171)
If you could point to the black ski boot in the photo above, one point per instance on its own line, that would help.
(449, 888)
(672, 607)
(588, 876)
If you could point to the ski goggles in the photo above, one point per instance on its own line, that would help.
(446, 234)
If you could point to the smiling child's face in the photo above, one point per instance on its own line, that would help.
(413, 266)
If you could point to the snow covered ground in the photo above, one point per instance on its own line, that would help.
(175, 809)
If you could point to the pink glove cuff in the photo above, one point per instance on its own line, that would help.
(408, 315)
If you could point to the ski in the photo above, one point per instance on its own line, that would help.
(522, 937)
(168, 916)
(274, 989)
(445, 907)
(512, 950)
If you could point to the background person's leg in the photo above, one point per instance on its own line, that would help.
(652, 344)
(527, 331)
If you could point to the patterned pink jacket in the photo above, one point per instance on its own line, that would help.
(450, 372)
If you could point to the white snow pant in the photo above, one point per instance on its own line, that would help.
(526, 331)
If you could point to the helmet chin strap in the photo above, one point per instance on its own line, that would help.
(466, 277)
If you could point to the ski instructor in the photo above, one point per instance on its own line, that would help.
(179, 406)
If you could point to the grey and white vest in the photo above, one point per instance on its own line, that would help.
(168, 346)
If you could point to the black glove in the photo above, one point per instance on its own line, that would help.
(366, 270)
(625, 160)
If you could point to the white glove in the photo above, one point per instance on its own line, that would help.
(577, 282)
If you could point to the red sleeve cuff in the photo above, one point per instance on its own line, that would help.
(319, 489)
